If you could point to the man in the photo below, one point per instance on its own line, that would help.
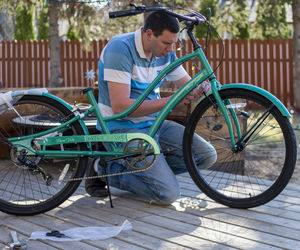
(127, 66)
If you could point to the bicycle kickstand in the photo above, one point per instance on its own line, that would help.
(104, 165)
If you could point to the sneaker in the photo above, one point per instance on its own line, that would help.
(95, 187)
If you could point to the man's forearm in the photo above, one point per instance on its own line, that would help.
(147, 107)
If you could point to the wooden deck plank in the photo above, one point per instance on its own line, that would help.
(124, 208)
(194, 221)
(226, 225)
(83, 221)
(274, 207)
(135, 237)
(291, 194)
(221, 215)
(6, 238)
(157, 233)
(22, 227)
(290, 190)
(286, 198)
(170, 224)
(172, 213)
(263, 213)
(88, 213)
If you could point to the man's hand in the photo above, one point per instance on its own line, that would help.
(203, 87)
(196, 93)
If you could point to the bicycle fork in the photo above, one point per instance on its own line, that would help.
(241, 139)
(223, 109)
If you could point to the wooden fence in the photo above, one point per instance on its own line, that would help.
(265, 63)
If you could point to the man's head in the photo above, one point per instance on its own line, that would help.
(159, 21)
(161, 32)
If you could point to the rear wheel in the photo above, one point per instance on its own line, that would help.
(28, 183)
(255, 172)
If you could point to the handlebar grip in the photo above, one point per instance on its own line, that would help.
(122, 13)
(142, 9)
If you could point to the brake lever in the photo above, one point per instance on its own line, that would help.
(186, 23)
(198, 15)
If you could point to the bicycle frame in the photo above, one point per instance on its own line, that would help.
(245, 171)
(207, 72)
(204, 74)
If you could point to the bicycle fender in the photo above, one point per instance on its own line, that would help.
(8, 99)
(255, 89)
(44, 92)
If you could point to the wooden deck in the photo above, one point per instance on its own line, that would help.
(192, 222)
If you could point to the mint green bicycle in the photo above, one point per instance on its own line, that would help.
(45, 143)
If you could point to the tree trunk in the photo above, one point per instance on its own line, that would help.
(56, 79)
(149, 3)
(296, 52)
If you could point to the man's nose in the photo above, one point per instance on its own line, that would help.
(170, 48)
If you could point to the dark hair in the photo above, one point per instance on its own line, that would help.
(159, 21)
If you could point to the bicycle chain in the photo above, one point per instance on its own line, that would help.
(106, 175)
(114, 174)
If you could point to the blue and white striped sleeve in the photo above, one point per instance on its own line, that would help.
(117, 61)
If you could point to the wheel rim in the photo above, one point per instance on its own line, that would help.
(248, 174)
(19, 186)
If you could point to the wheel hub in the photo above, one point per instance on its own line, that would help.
(239, 148)
(14, 156)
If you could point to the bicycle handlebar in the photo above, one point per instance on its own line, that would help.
(122, 13)
(141, 9)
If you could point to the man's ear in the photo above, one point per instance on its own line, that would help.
(149, 34)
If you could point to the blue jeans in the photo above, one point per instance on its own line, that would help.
(159, 184)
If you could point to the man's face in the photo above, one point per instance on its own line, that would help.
(161, 45)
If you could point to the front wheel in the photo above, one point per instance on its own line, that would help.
(28, 183)
(259, 170)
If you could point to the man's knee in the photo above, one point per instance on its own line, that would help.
(167, 196)
(206, 160)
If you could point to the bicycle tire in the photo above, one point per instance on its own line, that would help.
(255, 175)
(22, 190)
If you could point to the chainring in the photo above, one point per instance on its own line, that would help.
(143, 153)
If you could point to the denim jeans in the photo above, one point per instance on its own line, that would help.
(159, 184)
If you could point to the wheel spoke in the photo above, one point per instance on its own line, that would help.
(239, 178)
(23, 190)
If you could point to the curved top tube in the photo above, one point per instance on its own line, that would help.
(178, 96)
(157, 79)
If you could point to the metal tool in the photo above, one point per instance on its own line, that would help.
(16, 243)
(56, 233)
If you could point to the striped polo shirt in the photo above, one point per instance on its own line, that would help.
(123, 60)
